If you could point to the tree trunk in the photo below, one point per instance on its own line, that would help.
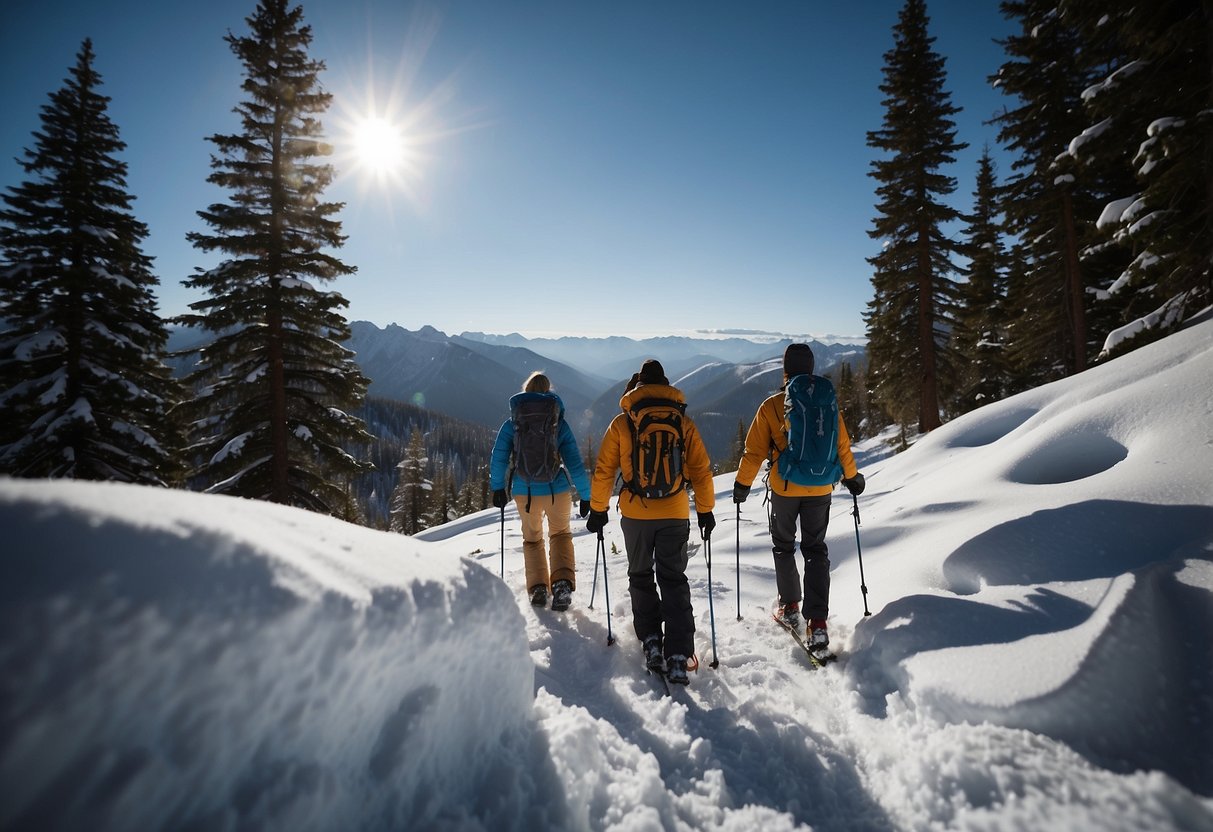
(1207, 9)
(1075, 301)
(928, 403)
(280, 490)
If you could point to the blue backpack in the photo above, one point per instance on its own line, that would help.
(810, 425)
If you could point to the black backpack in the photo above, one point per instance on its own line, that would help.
(657, 447)
(536, 437)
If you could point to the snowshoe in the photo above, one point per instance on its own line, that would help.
(818, 637)
(676, 670)
(653, 660)
(789, 614)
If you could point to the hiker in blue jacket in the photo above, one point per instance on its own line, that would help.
(535, 458)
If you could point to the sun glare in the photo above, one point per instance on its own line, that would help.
(380, 146)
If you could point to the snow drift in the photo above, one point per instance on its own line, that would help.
(178, 660)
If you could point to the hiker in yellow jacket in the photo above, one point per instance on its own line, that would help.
(791, 502)
(655, 528)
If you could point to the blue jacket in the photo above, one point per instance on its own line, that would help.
(503, 449)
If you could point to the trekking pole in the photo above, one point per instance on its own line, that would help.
(503, 542)
(707, 550)
(606, 587)
(738, 561)
(594, 586)
(863, 587)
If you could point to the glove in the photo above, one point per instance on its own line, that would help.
(855, 484)
(707, 522)
(597, 521)
(585, 507)
(499, 498)
(740, 492)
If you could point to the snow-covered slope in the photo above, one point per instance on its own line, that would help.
(175, 660)
(1039, 573)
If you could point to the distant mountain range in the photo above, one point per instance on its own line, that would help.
(618, 357)
(471, 376)
(457, 376)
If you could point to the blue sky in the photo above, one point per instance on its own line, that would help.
(638, 168)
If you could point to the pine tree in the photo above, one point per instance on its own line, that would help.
(738, 450)
(851, 401)
(591, 456)
(272, 416)
(1049, 200)
(1152, 101)
(442, 507)
(469, 495)
(411, 498)
(486, 490)
(980, 333)
(84, 391)
(914, 296)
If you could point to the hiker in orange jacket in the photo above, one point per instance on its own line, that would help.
(655, 528)
(791, 502)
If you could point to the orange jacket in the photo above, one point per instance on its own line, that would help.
(765, 440)
(615, 455)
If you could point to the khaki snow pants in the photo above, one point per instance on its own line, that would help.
(556, 507)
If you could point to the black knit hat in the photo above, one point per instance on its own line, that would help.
(797, 360)
(651, 372)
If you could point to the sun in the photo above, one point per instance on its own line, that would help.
(380, 147)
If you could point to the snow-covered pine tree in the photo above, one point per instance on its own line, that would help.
(84, 390)
(275, 390)
(469, 494)
(411, 497)
(1049, 202)
(442, 496)
(1153, 101)
(980, 332)
(910, 314)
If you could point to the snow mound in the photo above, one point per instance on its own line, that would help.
(160, 673)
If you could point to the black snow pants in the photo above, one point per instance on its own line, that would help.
(813, 515)
(658, 548)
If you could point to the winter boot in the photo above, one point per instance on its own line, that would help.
(562, 595)
(653, 659)
(539, 595)
(789, 613)
(819, 639)
(676, 670)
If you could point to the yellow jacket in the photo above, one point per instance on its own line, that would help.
(615, 455)
(765, 440)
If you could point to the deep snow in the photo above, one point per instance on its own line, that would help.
(1040, 578)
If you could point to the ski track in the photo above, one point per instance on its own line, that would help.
(789, 746)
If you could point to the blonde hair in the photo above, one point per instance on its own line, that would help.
(537, 382)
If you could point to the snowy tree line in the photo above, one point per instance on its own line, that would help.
(428, 468)
(1099, 240)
